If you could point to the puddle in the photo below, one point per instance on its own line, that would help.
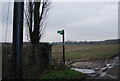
(103, 74)
(113, 77)
(86, 71)
(100, 72)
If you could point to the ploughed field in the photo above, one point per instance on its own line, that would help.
(85, 52)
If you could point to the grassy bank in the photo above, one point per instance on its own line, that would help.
(85, 51)
(62, 74)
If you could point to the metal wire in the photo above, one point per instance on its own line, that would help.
(7, 22)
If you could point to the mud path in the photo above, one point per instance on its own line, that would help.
(108, 69)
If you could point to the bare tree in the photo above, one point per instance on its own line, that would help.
(35, 16)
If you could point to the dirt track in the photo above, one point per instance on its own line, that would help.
(105, 69)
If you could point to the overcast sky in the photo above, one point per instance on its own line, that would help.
(80, 20)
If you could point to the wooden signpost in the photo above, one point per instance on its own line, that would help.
(61, 32)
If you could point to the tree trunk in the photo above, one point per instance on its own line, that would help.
(36, 23)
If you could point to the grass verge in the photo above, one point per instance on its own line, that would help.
(63, 74)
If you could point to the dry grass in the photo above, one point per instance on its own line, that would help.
(85, 51)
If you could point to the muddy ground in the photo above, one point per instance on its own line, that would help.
(105, 69)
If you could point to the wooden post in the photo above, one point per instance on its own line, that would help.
(63, 48)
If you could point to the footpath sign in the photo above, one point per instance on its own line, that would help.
(61, 32)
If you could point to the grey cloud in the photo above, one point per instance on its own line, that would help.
(67, 13)
(90, 21)
(5, 12)
(81, 20)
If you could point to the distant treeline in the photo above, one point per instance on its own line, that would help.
(111, 41)
(69, 42)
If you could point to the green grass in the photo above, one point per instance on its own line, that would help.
(85, 51)
(62, 74)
